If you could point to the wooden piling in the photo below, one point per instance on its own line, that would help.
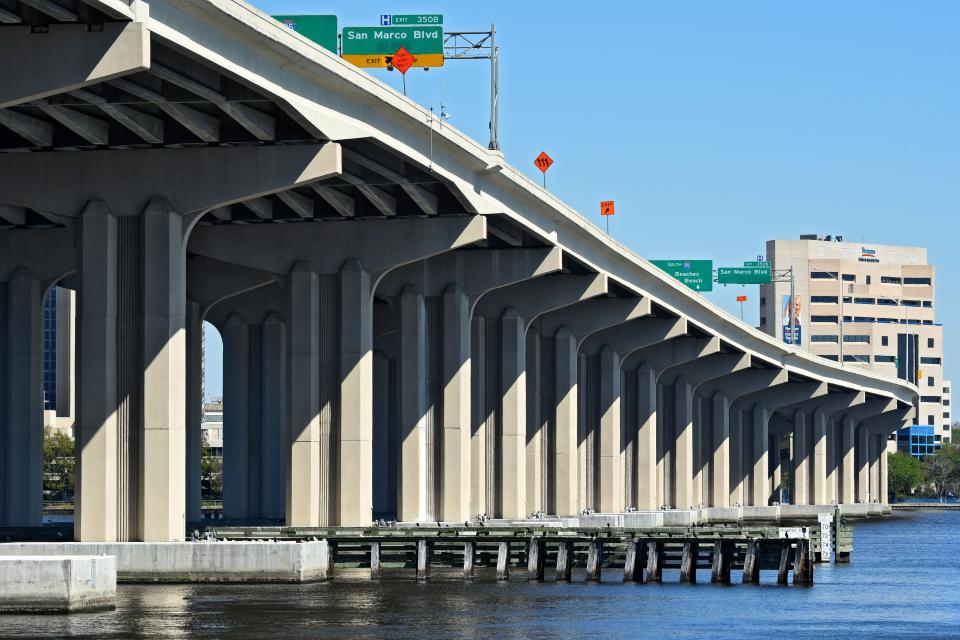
(751, 563)
(536, 551)
(803, 564)
(469, 554)
(424, 555)
(635, 561)
(376, 566)
(595, 561)
(784, 563)
(331, 558)
(655, 562)
(503, 561)
(688, 562)
(564, 561)
(722, 556)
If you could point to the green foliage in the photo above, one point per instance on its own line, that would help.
(59, 465)
(904, 474)
(943, 470)
(211, 477)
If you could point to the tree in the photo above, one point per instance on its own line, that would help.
(943, 469)
(58, 465)
(904, 474)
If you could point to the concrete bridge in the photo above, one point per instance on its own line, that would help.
(412, 328)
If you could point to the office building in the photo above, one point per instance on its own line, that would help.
(59, 338)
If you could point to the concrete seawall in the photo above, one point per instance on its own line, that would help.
(196, 561)
(48, 583)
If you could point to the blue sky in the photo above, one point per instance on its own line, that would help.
(717, 126)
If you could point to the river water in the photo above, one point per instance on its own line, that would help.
(903, 583)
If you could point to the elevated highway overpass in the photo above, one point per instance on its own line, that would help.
(412, 328)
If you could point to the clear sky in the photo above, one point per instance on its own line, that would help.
(719, 125)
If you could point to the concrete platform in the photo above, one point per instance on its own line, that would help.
(57, 583)
(241, 562)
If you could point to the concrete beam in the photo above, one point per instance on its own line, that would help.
(341, 202)
(385, 203)
(38, 132)
(146, 127)
(206, 128)
(9, 17)
(636, 334)
(212, 281)
(260, 207)
(71, 56)
(52, 9)
(536, 296)
(677, 351)
(193, 180)
(705, 368)
(590, 316)
(299, 204)
(13, 215)
(424, 199)
(94, 130)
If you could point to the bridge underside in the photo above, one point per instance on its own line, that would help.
(389, 350)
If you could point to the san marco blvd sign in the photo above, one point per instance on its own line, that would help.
(375, 46)
(696, 274)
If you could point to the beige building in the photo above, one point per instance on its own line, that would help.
(59, 359)
(866, 305)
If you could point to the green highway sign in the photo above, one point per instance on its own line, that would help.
(374, 46)
(411, 20)
(743, 275)
(696, 274)
(756, 263)
(320, 29)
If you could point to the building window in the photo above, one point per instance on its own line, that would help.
(829, 357)
(823, 338)
(925, 281)
(946, 402)
(931, 381)
(930, 343)
(890, 359)
(934, 399)
(865, 300)
(887, 302)
(857, 338)
(869, 279)
(824, 275)
(824, 299)
(929, 419)
(889, 280)
(910, 303)
(928, 304)
(830, 319)
(856, 358)
(884, 341)
(850, 277)
(929, 360)
(864, 319)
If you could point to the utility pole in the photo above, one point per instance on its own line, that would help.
(479, 45)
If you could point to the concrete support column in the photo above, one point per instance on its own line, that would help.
(884, 472)
(413, 467)
(646, 491)
(354, 495)
(303, 404)
(456, 405)
(96, 425)
(194, 410)
(236, 418)
(818, 451)
(739, 472)
(862, 458)
(876, 449)
(273, 380)
(22, 402)
(479, 416)
(799, 478)
(759, 476)
(162, 491)
(610, 462)
(720, 461)
(512, 476)
(682, 435)
(536, 425)
(564, 481)
(846, 463)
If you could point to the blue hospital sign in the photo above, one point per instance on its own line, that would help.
(385, 20)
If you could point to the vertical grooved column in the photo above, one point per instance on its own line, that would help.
(646, 491)
(22, 400)
(273, 416)
(303, 405)
(355, 459)
(565, 465)
(884, 472)
(800, 460)
(456, 467)
(863, 464)
(611, 464)
(412, 470)
(194, 410)
(585, 492)
(96, 425)
(129, 368)
(162, 503)
(478, 416)
(834, 438)
(534, 440)
(682, 435)
(759, 477)
(738, 470)
(720, 465)
(847, 482)
(512, 478)
(236, 417)
(818, 450)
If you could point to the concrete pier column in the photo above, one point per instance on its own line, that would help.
(354, 495)
(833, 460)
(818, 459)
(512, 468)
(862, 460)
(536, 426)
(759, 475)
(610, 462)
(720, 461)
(163, 496)
(303, 404)
(884, 475)
(738, 470)
(846, 462)
(456, 471)
(876, 449)
(96, 425)
(564, 480)
(236, 418)
(22, 403)
(479, 416)
(799, 477)
(682, 445)
(273, 406)
(194, 410)
(646, 490)
(413, 465)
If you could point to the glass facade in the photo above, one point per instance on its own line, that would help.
(919, 441)
(50, 351)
